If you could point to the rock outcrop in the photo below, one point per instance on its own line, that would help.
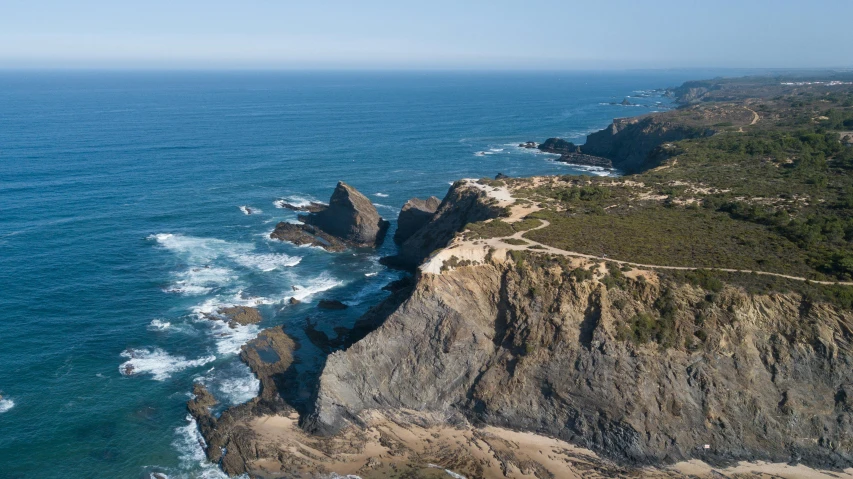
(302, 234)
(312, 207)
(230, 441)
(627, 142)
(350, 217)
(349, 220)
(559, 146)
(413, 216)
(237, 315)
(463, 204)
(527, 345)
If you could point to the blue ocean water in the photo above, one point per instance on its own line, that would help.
(120, 225)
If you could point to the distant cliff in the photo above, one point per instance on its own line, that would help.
(627, 142)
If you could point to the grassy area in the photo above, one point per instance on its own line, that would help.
(498, 228)
(674, 237)
(776, 197)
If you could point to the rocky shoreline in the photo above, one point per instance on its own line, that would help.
(489, 363)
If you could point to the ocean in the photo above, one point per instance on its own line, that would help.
(123, 201)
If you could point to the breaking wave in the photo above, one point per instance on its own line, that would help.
(158, 363)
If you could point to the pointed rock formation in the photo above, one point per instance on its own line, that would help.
(349, 220)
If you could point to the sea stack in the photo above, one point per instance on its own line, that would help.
(349, 220)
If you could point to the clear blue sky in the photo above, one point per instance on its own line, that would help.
(536, 34)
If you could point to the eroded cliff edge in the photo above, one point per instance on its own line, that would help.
(527, 345)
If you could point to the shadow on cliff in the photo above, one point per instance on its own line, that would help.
(298, 389)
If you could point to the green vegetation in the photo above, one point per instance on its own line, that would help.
(515, 241)
(499, 229)
(776, 196)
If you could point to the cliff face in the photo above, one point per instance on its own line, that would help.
(413, 216)
(526, 345)
(463, 204)
(627, 142)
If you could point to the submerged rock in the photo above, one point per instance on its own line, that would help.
(332, 304)
(529, 144)
(312, 207)
(413, 216)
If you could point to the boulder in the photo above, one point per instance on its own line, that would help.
(529, 144)
(413, 216)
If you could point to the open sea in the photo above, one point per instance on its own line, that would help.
(123, 200)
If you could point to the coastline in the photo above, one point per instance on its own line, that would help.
(408, 441)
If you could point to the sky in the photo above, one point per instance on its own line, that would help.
(434, 34)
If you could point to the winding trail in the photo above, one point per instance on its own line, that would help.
(755, 116)
(505, 198)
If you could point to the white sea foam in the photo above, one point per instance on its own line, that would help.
(200, 252)
(386, 207)
(200, 280)
(299, 201)
(324, 282)
(158, 325)
(496, 150)
(381, 195)
(6, 404)
(157, 363)
(239, 390)
(268, 261)
(370, 275)
(454, 475)
(480, 153)
(190, 446)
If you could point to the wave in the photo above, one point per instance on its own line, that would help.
(239, 390)
(496, 150)
(190, 446)
(295, 200)
(6, 404)
(249, 210)
(324, 282)
(386, 207)
(200, 252)
(381, 195)
(268, 262)
(198, 281)
(158, 325)
(157, 363)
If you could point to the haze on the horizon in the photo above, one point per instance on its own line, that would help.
(495, 34)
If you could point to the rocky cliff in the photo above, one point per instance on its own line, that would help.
(627, 142)
(647, 371)
(413, 216)
(463, 204)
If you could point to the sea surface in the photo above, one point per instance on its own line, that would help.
(123, 201)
